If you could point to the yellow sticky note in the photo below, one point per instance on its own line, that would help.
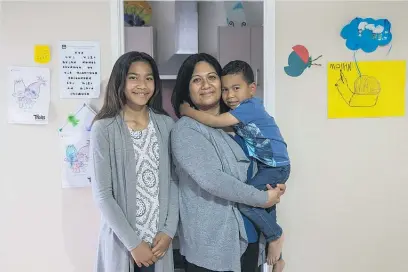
(366, 89)
(42, 54)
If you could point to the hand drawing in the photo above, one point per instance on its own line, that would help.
(77, 158)
(27, 96)
(365, 92)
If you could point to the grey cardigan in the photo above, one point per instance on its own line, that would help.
(212, 170)
(114, 188)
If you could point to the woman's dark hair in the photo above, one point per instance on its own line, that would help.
(115, 97)
(181, 91)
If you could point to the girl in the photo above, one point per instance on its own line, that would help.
(132, 182)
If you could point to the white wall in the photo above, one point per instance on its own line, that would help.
(44, 228)
(346, 203)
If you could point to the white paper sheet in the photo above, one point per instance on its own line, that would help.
(75, 149)
(79, 69)
(28, 95)
(76, 160)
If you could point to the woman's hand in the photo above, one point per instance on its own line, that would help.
(143, 255)
(274, 195)
(282, 188)
(160, 244)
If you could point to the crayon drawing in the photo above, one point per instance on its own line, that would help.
(366, 89)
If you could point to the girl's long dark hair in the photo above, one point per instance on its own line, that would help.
(181, 91)
(115, 91)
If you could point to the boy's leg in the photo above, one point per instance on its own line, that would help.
(266, 222)
(263, 220)
(269, 175)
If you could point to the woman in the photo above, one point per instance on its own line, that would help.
(132, 182)
(212, 170)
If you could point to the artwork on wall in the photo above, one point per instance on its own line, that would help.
(28, 95)
(235, 13)
(298, 60)
(366, 89)
(75, 148)
(42, 53)
(137, 13)
(80, 68)
(367, 34)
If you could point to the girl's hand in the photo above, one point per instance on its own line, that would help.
(160, 244)
(142, 255)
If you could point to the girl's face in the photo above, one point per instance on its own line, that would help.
(205, 86)
(139, 84)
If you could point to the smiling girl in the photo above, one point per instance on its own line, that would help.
(132, 181)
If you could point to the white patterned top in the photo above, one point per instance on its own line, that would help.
(146, 149)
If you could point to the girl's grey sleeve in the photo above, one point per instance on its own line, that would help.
(172, 219)
(198, 157)
(102, 188)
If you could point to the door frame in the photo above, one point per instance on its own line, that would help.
(118, 48)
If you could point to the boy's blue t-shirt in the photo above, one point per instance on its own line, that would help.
(261, 133)
(250, 230)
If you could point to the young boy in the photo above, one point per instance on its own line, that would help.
(263, 139)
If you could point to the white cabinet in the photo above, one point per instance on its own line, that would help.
(140, 39)
(243, 43)
(234, 43)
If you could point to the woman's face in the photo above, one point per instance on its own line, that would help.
(139, 84)
(205, 86)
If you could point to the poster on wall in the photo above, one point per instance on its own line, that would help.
(75, 148)
(79, 69)
(28, 95)
(366, 89)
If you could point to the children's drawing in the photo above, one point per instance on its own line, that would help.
(75, 135)
(363, 93)
(27, 95)
(299, 60)
(367, 34)
(235, 13)
(80, 121)
(366, 89)
(77, 158)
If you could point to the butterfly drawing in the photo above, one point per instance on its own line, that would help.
(27, 95)
(299, 60)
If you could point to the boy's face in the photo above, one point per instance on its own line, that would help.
(235, 89)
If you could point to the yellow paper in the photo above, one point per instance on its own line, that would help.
(42, 54)
(378, 92)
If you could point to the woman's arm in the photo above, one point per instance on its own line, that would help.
(102, 188)
(198, 157)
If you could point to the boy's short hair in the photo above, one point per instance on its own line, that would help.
(239, 67)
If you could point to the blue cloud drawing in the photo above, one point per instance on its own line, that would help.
(367, 34)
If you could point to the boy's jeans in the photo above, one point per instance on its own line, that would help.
(265, 219)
